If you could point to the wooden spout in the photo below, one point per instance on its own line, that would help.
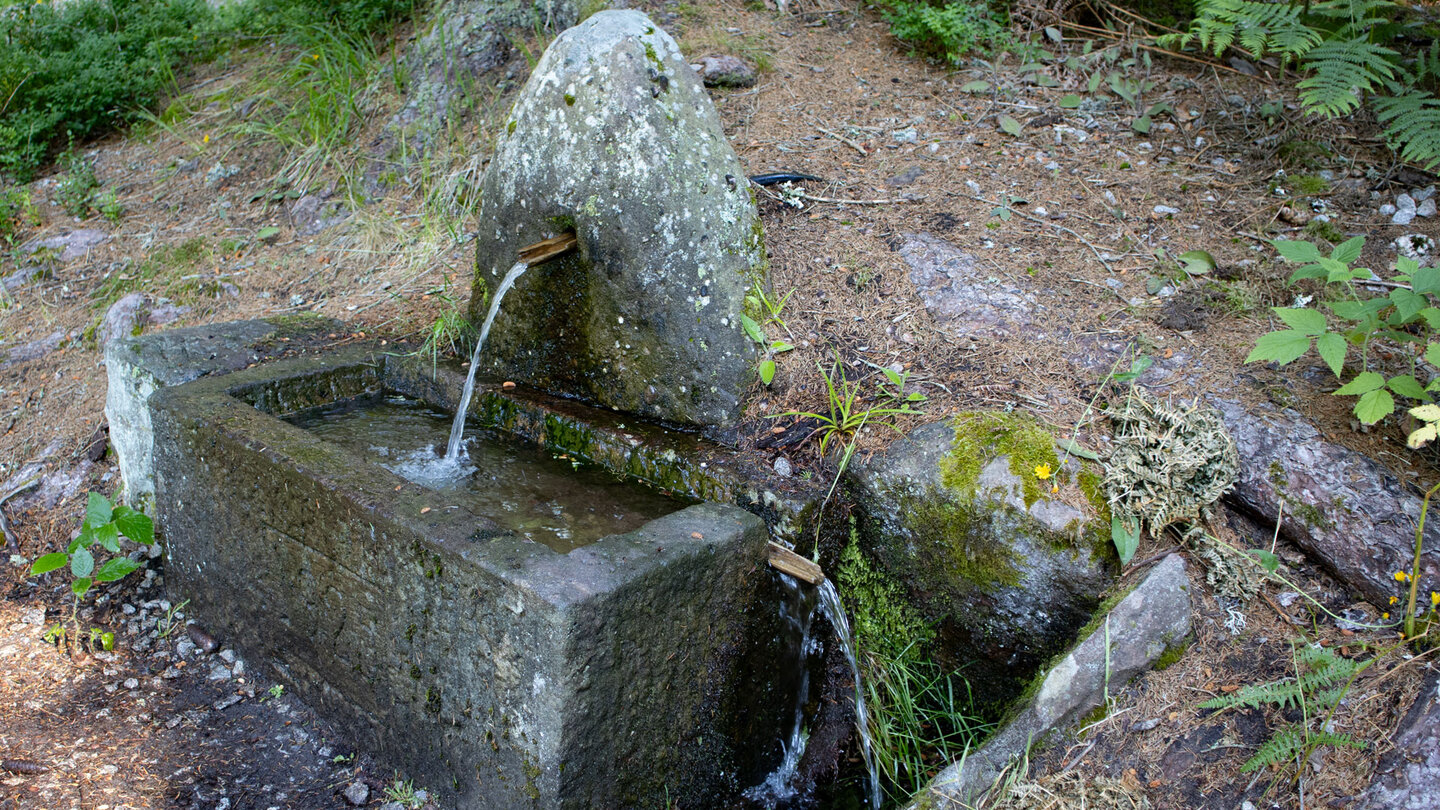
(786, 561)
(545, 250)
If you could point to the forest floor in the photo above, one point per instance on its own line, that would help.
(1069, 207)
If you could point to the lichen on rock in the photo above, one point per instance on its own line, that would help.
(615, 135)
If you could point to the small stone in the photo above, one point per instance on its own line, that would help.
(297, 300)
(357, 793)
(226, 702)
(1403, 217)
(127, 609)
(1423, 194)
(203, 641)
(1165, 210)
(219, 672)
(907, 135)
(131, 683)
(171, 673)
(238, 669)
(1425, 209)
(185, 647)
(1145, 725)
(724, 70)
(782, 467)
(1404, 202)
(227, 655)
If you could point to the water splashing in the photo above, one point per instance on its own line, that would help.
(835, 612)
(456, 446)
(799, 610)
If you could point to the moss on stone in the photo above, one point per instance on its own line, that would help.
(1172, 654)
(983, 436)
(881, 614)
(966, 554)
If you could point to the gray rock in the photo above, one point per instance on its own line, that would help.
(1425, 209)
(1422, 194)
(1404, 202)
(956, 294)
(1345, 510)
(782, 467)
(130, 315)
(1165, 210)
(724, 70)
(357, 793)
(219, 672)
(1151, 619)
(313, 213)
(1003, 570)
(34, 350)
(219, 174)
(71, 244)
(615, 136)
(1408, 777)
(1402, 218)
(136, 367)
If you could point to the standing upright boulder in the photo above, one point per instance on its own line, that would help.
(615, 138)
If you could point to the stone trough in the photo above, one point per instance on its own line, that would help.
(493, 668)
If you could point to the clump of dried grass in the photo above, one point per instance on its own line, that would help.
(1071, 791)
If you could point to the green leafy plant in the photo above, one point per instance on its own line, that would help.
(447, 334)
(1343, 50)
(845, 415)
(77, 190)
(275, 692)
(169, 622)
(16, 212)
(403, 793)
(1405, 319)
(769, 311)
(105, 523)
(949, 30)
(110, 208)
(1321, 680)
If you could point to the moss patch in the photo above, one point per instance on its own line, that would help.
(968, 553)
(882, 616)
(983, 436)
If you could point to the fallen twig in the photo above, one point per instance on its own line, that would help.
(12, 543)
(841, 138)
(814, 198)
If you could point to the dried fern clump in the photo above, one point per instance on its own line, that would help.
(1071, 791)
(1169, 463)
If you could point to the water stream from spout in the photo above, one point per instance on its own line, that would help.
(799, 610)
(835, 612)
(456, 446)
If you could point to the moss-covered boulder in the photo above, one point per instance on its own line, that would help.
(998, 543)
(615, 137)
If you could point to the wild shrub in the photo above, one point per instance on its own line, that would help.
(1343, 50)
(75, 70)
(950, 31)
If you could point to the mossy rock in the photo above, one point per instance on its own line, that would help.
(1005, 563)
(615, 137)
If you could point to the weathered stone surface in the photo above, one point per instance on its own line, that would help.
(313, 213)
(462, 42)
(71, 244)
(1341, 507)
(1408, 778)
(34, 350)
(1149, 620)
(959, 296)
(724, 70)
(136, 367)
(615, 137)
(132, 313)
(496, 671)
(1006, 572)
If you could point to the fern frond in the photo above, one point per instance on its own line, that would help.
(1412, 125)
(1427, 63)
(1259, 27)
(1285, 694)
(1339, 69)
(1281, 747)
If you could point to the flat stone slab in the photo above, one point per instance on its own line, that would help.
(1408, 778)
(1127, 641)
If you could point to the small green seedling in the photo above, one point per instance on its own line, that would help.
(273, 693)
(105, 523)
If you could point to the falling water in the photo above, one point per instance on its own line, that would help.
(798, 610)
(455, 447)
(835, 612)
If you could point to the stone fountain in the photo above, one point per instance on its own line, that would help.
(500, 671)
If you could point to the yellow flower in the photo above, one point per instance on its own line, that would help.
(1401, 576)
(1394, 599)
(1043, 472)
(206, 139)
(1384, 615)
(1434, 599)
(1054, 488)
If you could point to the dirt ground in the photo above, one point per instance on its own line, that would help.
(894, 135)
